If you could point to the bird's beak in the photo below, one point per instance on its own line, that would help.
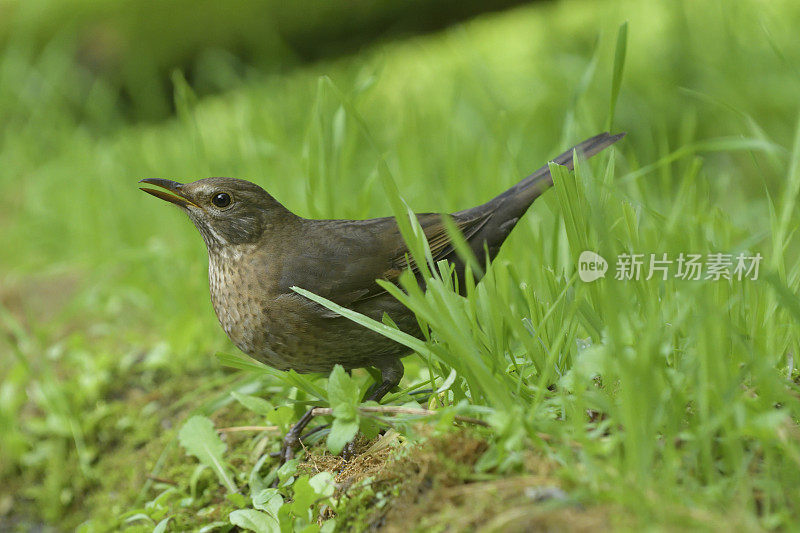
(174, 195)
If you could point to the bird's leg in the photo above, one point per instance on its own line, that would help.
(391, 374)
(292, 438)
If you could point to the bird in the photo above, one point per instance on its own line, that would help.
(258, 250)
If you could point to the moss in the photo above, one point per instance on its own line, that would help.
(136, 457)
(430, 486)
(131, 475)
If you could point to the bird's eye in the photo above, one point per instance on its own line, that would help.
(221, 199)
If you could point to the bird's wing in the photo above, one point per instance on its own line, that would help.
(340, 260)
(438, 239)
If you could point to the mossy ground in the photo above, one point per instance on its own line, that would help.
(391, 482)
(431, 485)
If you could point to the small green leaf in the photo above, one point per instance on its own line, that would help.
(253, 520)
(287, 470)
(323, 484)
(342, 432)
(304, 497)
(342, 389)
(195, 478)
(136, 517)
(256, 482)
(269, 501)
(199, 438)
(347, 411)
(237, 499)
(370, 427)
(283, 417)
(287, 519)
(260, 406)
(214, 526)
(161, 527)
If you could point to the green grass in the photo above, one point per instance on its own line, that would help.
(674, 401)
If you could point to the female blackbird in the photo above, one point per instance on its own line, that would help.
(258, 250)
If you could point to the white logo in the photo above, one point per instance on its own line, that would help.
(591, 266)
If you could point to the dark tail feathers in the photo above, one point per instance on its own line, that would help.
(504, 211)
(530, 188)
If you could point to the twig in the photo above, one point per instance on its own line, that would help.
(162, 480)
(247, 428)
(388, 409)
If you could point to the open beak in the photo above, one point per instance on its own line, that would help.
(174, 195)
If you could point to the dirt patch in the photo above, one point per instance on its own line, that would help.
(370, 461)
(432, 486)
(525, 503)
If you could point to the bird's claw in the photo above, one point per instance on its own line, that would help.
(292, 438)
(286, 454)
(290, 442)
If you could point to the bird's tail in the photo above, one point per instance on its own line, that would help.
(504, 210)
(589, 147)
(534, 185)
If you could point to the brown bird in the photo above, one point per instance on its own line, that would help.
(258, 250)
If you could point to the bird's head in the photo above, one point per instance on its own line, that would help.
(226, 211)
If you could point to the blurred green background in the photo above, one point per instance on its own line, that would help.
(132, 46)
(107, 338)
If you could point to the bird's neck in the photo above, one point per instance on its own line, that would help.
(231, 254)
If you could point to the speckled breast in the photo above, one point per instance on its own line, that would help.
(238, 303)
(288, 331)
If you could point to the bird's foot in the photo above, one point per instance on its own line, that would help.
(292, 439)
(290, 442)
